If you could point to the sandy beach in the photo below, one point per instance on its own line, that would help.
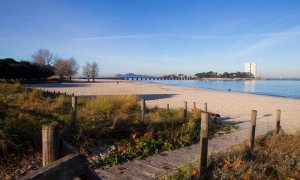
(232, 106)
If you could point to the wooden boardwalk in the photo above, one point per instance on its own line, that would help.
(165, 163)
(160, 165)
(152, 167)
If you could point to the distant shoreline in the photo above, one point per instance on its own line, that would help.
(232, 79)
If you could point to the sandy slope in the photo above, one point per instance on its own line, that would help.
(233, 107)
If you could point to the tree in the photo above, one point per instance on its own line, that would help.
(23, 70)
(72, 68)
(43, 57)
(65, 68)
(94, 70)
(86, 71)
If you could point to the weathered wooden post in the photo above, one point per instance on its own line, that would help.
(50, 146)
(195, 108)
(143, 104)
(205, 107)
(278, 117)
(74, 110)
(168, 107)
(185, 113)
(252, 129)
(203, 143)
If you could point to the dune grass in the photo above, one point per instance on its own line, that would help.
(108, 128)
(274, 157)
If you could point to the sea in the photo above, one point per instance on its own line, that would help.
(289, 88)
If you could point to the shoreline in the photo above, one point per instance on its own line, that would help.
(218, 90)
(157, 83)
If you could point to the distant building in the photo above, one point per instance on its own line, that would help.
(251, 67)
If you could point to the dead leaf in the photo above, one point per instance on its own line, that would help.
(247, 177)
(238, 164)
(226, 164)
(133, 135)
(195, 171)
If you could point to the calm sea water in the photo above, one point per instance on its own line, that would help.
(282, 88)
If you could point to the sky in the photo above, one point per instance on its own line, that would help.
(157, 37)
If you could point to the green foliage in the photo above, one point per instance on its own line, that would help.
(23, 70)
(212, 74)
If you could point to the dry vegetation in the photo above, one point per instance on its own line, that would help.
(108, 128)
(274, 157)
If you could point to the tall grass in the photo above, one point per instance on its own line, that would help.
(106, 121)
(274, 157)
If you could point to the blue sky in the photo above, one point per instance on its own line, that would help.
(157, 37)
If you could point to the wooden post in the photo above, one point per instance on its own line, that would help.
(203, 143)
(50, 140)
(195, 107)
(168, 107)
(143, 104)
(278, 117)
(74, 110)
(252, 129)
(185, 113)
(205, 107)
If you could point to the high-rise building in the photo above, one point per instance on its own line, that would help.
(251, 68)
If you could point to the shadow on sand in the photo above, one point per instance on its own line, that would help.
(58, 85)
(229, 121)
(155, 96)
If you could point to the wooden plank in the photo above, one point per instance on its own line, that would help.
(114, 172)
(185, 155)
(68, 167)
(159, 163)
(103, 173)
(128, 170)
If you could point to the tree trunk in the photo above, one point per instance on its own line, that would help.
(70, 78)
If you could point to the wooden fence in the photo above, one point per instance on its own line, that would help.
(61, 161)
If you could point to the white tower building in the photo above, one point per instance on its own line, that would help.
(251, 67)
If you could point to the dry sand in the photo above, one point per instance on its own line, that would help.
(232, 106)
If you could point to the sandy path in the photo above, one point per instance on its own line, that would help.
(233, 107)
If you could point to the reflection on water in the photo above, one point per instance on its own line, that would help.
(285, 88)
(249, 86)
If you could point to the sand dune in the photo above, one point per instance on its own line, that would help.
(234, 107)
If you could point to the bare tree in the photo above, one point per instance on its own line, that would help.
(72, 68)
(60, 68)
(94, 70)
(43, 57)
(66, 68)
(86, 71)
